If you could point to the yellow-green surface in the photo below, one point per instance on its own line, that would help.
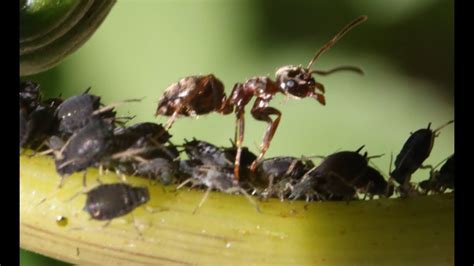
(228, 230)
(405, 48)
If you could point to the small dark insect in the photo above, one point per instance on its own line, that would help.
(109, 201)
(206, 153)
(76, 112)
(138, 144)
(414, 152)
(334, 177)
(277, 175)
(440, 180)
(372, 183)
(158, 169)
(212, 177)
(36, 126)
(136, 135)
(85, 148)
(196, 95)
(29, 95)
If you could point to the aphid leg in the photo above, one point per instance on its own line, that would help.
(136, 225)
(35, 152)
(84, 184)
(367, 189)
(250, 199)
(269, 188)
(106, 224)
(101, 169)
(189, 180)
(75, 196)
(46, 152)
(263, 114)
(239, 138)
(121, 176)
(204, 198)
(154, 210)
(427, 167)
(61, 181)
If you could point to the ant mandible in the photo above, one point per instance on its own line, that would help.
(202, 94)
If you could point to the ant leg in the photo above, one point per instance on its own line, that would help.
(319, 97)
(263, 114)
(240, 128)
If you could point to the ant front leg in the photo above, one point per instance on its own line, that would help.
(239, 138)
(319, 97)
(263, 114)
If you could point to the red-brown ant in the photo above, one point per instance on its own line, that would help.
(196, 95)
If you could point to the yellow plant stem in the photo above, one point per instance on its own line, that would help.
(228, 229)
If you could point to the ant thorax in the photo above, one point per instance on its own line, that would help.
(295, 81)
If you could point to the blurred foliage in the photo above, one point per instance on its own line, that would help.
(405, 48)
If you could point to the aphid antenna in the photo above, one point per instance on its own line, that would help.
(249, 198)
(185, 182)
(115, 104)
(204, 198)
(433, 168)
(131, 152)
(87, 90)
(360, 148)
(375, 156)
(443, 126)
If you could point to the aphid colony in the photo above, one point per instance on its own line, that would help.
(80, 132)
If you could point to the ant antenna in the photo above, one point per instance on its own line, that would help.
(336, 38)
(358, 70)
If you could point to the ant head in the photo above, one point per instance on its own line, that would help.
(295, 81)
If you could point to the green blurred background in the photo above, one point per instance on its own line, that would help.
(406, 49)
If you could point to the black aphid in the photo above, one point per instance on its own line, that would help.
(76, 112)
(334, 177)
(109, 201)
(85, 148)
(213, 177)
(440, 181)
(414, 152)
(275, 176)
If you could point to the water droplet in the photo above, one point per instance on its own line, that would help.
(61, 221)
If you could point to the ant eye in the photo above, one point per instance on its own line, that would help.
(292, 73)
(290, 83)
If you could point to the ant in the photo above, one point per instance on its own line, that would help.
(202, 94)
